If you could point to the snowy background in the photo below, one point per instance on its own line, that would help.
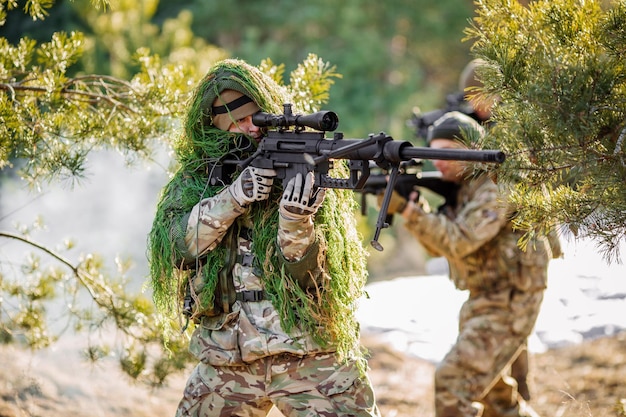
(586, 298)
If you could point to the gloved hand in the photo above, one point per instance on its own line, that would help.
(405, 188)
(253, 184)
(397, 204)
(301, 200)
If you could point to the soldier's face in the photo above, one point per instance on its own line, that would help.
(246, 127)
(450, 170)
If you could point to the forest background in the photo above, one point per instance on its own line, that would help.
(393, 57)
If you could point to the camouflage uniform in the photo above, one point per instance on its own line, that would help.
(314, 385)
(247, 361)
(505, 286)
(469, 82)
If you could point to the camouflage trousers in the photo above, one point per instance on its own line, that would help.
(472, 380)
(308, 386)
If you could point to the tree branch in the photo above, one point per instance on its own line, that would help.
(105, 82)
(75, 269)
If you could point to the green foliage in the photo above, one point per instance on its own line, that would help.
(558, 67)
(114, 37)
(309, 83)
(55, 109)
(96, 300)
(53, 121)
(37, 9)
(393, 55)
(620, 407)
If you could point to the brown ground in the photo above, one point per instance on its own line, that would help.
(587, 380)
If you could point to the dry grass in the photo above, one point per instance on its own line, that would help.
(582, 381)
(587, 380)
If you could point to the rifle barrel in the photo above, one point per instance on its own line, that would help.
(453, 154)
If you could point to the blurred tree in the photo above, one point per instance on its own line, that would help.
(55, 110)
(558, 68)
(393, 55)
(52, 116)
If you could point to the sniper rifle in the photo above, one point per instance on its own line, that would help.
(296, 150)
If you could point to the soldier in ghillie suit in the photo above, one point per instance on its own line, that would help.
(505, 283)
(269, 277)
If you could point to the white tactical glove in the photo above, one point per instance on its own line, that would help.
(253, 184)
(301, 200)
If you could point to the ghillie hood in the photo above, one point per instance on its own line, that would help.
(329, 318)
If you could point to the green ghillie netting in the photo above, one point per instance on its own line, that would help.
(329, 318)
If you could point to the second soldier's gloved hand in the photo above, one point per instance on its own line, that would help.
(300, 198)
(253, 184)
(404, 189)
(397, 204)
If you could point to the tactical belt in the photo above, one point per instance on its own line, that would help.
(251, 296)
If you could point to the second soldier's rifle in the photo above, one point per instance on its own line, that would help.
(296, 150)
(410, 178)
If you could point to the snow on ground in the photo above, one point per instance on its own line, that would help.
(586, 298)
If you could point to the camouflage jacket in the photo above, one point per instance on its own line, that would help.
(478, 240)
(251, 328)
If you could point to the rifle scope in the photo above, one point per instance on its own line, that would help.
(321, 120)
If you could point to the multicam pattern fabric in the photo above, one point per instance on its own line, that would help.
(492, 331)
(251, 330)
(506, 288)
(248, 362)
(478, 240)
(295, 237)
(209, 221)
(309, 386)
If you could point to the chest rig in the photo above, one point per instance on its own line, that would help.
(225, 293)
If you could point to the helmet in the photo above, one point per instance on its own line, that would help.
(452, 125)
(468, 78)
